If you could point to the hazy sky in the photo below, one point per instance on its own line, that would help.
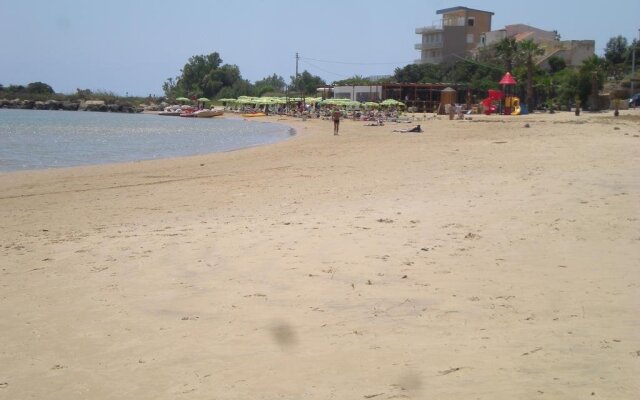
(129, 46)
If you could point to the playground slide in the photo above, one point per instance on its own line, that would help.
(488, 103)
(515, 104)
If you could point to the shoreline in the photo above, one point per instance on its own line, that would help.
(475, 259)
(290, 132)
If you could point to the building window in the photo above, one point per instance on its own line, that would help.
(471, 21)
(469, 38)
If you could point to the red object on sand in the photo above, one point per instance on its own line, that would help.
(494, 96)
(507, 79)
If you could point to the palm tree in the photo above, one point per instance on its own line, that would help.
(507, 51)
(594, 67)
(529, 49)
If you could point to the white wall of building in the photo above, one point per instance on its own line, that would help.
(358, 93)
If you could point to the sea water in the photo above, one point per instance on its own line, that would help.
(34, 139)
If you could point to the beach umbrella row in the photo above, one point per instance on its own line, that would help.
(184, 99)
(310, 100)
(270, 100)
(340, 102)
(368, 104)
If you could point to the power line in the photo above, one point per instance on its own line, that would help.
(356, 63)
(324, 70)
(477, 63)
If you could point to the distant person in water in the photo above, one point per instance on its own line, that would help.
(336, 121)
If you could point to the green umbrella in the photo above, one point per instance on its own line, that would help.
(392, 102)
(371, 104)
(182, 99)
(203, 99)
(245, 100)
(313, 100)
(262, 100)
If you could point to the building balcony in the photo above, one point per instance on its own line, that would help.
(428, 29)
(428, 46)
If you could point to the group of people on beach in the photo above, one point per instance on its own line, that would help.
(336, 114)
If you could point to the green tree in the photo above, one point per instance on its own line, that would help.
(273, 83)
(169, 86)
(507, 50)
(415, 73)
(202, 75)
(556, 64)
(615, 52)
(529, 50)
(306, 83)
(568, 86)
(83, 93)
(39, 88)
(593, 70)
(240, 87)
(16, 88)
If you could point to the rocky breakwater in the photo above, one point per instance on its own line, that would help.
(83, 105)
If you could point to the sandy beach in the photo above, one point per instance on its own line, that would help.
(478, 260)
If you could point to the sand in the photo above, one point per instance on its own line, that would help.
(477, 260)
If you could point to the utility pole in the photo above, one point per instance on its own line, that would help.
(633, 64)
(298, 80)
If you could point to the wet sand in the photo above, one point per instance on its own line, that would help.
(478, 260)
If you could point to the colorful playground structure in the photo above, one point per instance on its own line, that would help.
(505, 98)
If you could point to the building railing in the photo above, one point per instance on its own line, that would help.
(438, 26)
(428, 29)
(428, 46)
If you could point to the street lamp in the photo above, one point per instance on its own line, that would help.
(633, 64)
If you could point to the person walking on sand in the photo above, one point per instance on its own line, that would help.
(336, 120)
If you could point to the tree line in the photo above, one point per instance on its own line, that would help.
(554, 85)
(207, 76)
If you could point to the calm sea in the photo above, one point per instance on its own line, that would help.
(31, 139)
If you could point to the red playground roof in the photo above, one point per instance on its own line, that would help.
(507, 79)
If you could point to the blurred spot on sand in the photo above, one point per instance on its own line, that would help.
(283, 334)
(410, 381)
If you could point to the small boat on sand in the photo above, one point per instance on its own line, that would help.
(208, 113)
(251, 115)
(171, 111)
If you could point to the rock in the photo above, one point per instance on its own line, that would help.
(69, 106)
(114, 108)
(527, 125)
(97, 107)
(91, 105)
(53, 104)
(27, 104)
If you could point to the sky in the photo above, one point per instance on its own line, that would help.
(131, 47)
